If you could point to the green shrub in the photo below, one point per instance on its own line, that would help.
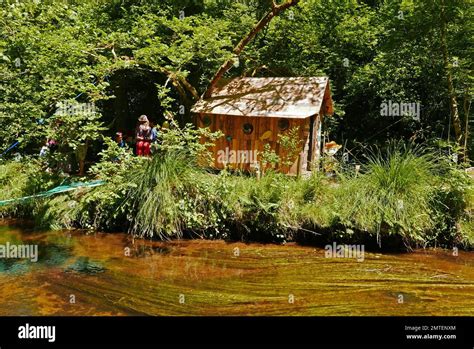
(23, 178)
(314, 199)
(407, 191)
(257, 207)
(160, 190)
(189, 140)
(454, 207)
(404, 192)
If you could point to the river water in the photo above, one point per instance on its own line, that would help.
(110, 274)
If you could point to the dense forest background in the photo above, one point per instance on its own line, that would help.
(76, 72)
(130, 57)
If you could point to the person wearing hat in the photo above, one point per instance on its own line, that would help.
(143, 136)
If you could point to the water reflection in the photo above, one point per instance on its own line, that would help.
(110, 274)
(52, 251)
(86, 266)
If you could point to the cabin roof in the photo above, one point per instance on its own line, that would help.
(296, 97)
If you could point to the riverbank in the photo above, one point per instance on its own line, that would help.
(91, 274)
(403, 199)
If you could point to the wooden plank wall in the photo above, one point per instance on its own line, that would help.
(235, 139)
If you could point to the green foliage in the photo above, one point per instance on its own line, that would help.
(466, 222)
(103, 206)
(59, 212)
(74, 124)
(20, 179)
(268, 157)
(394, 194)
(291, 143)
(115, 162)
(195, 142)
(403, 191)
(453, 206)
(56, 51)
(45, 60)
(257, 207)
(407, 191)
(53, 52)
(314, 201)
(161, 191)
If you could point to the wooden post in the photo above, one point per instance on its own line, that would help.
(300, 165)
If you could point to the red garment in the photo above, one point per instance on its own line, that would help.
(143, 148)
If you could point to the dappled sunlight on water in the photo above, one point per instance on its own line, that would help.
(110, 274)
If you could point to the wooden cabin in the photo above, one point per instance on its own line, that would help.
(253, 112)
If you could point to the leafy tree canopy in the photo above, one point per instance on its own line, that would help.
(373, 51)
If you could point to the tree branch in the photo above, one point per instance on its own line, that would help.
(179, 82)
(275, 11)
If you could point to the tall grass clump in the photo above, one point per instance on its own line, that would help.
(159, 193)
(394, 195)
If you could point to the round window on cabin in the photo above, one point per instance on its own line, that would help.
(248, 128)
(206, 121)
(283, 124)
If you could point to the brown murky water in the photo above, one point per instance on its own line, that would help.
(208, 278)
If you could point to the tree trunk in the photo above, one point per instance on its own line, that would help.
(467, 109)
(81, 154)
(275, 11)
(451, 92)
